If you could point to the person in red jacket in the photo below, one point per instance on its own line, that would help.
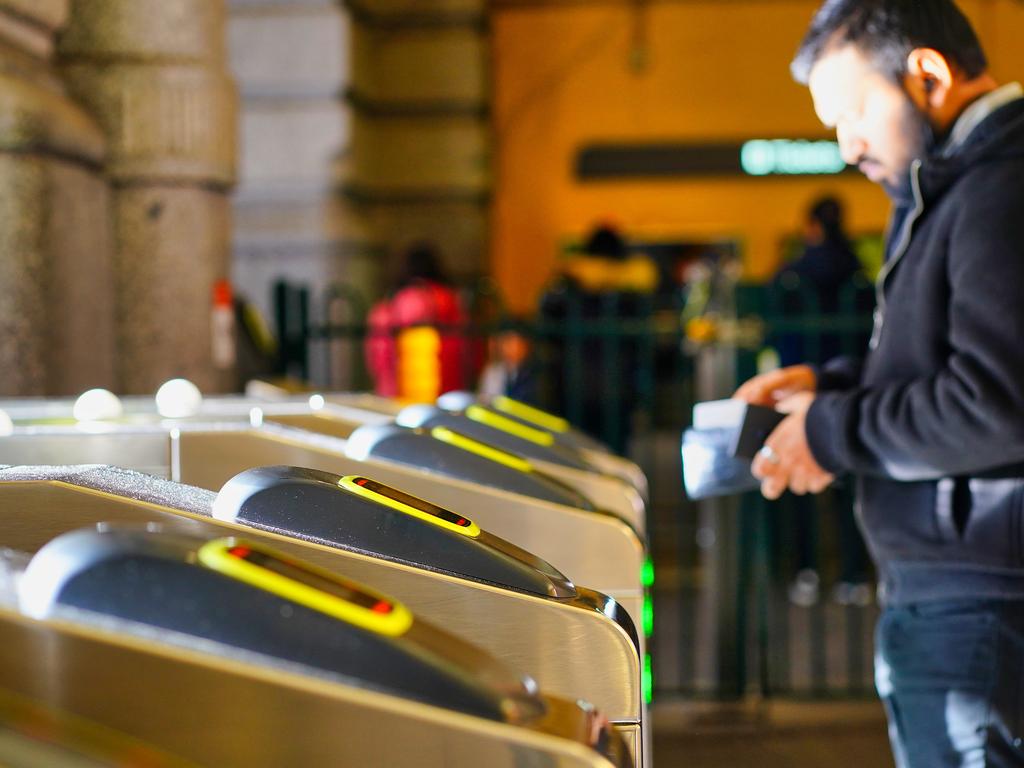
(423, 297)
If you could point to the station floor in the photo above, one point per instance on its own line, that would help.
(775, 734)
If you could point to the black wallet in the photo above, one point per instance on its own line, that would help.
(750, 424)
(718, 450)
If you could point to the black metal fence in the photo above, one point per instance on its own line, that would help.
(775, 598)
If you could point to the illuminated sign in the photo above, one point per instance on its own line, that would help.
(790, 158)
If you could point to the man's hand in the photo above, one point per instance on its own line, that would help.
(786, 460)
(772, 388)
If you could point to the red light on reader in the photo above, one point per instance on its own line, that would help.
(240, 552)
(361, 481)
(382, 607)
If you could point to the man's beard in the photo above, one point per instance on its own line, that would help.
(921, 142)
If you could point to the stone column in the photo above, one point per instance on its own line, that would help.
(152, 73)
(290, 58)
(420, 161)
(56, 307)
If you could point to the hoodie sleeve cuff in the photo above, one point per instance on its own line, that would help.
(838, 373)
(827, 430)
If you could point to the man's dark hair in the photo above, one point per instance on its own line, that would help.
(887, 31)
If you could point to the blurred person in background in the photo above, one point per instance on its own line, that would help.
(512, 369)
(827, 263)
(809, 286)
(593, 373)
(422, 298)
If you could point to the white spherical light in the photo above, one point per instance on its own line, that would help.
(178, 399)
(97, 405)
(6, 425)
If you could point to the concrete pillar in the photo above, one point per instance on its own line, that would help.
(152, 73)
(290, 59)
(56, 307)
(420, 161)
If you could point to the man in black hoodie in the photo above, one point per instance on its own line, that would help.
(931, 424)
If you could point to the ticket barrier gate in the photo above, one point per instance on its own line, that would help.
(604, 491)
(442, 451)
(579, 643)
(599, 550)
(612, 483)
(339, 418)
(538, 446)
(117, 624)
(593, 451)
(508, 415)
(459, 401)
(563, 431)
(449, 453)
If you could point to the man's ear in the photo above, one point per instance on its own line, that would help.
(929, 76)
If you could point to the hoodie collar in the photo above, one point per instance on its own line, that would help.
(982, 107)
(990, 128)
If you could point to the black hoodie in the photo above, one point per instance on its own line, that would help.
(932, 426)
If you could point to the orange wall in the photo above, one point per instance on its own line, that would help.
(715, 70)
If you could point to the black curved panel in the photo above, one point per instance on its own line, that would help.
(417, 448)
(155, 579)
(427, 417)
(314, 505)
(575, 439)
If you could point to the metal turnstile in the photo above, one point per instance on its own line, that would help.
(540, 447)
(228, 653)
(468, 458)
(339, 417)
(579, 644)
(594, 452)
(449, 453)
(598, 550)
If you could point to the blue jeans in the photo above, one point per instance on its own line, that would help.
(951, 676)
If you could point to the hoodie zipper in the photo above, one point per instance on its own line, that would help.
(897, 254)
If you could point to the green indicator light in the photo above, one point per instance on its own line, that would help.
(785, 157)
(647, 573)
(648, 616)
(647, 681)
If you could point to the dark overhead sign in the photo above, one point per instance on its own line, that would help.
(756, 157)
